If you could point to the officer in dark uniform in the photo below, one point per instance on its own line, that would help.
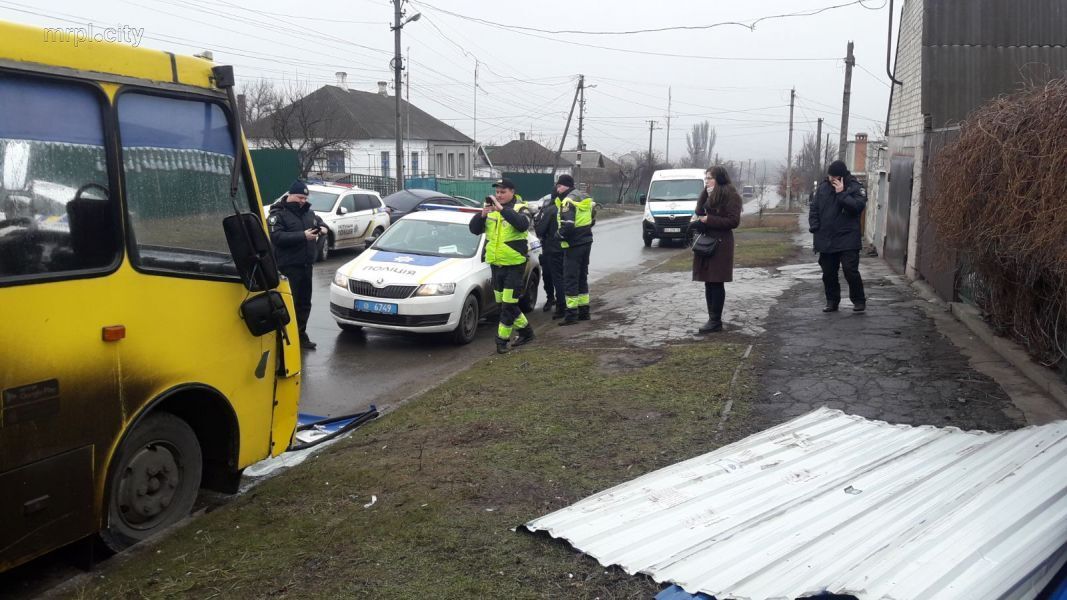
(294, 232)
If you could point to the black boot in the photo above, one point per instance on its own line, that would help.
(583, 313)
(526, 335)
(559, 314)
(570, 317)
(830, 308)
(306, 343)
(502, 346)
(548, 305)
(711, 326)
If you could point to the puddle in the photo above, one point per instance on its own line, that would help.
(673, 307)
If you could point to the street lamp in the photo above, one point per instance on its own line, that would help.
(398, 66)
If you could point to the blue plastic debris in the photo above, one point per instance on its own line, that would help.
(676, 593)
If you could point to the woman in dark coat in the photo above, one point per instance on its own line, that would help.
(718, 214)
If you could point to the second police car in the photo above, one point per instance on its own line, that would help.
(351, 214)
(424, 274)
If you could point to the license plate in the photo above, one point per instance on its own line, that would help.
(672, 230)
(383, 308)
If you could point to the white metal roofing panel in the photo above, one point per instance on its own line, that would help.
(830, 502)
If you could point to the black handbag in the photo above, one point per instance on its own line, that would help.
(705, 245)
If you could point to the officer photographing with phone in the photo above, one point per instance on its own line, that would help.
(505, 220)
(294, 232)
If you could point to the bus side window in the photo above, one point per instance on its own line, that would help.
(177, 155)
(56, 214)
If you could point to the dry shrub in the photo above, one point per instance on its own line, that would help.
(1001, 201)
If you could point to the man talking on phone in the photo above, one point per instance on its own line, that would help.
(505, 221)
(294, 232)
(834, 218)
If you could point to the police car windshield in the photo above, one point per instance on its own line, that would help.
(676, 189)
(321, 201)
(414, 236)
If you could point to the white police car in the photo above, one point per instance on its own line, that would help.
(351, 215)
(424, 274)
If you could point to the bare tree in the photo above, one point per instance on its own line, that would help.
(699, 144)
(296, 120)
(809, 166)
(257, 100)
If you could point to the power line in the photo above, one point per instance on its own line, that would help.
(751, 26)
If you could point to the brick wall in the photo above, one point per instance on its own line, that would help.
(906, 115)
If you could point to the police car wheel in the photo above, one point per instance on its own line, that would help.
(468, 321)
(648, 242)
(324, 250)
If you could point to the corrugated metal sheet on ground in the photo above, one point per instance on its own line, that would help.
(830, 502)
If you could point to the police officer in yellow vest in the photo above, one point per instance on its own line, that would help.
(574, 211)
(505, 221)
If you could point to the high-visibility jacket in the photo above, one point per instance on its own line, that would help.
(505, 233)
(574, 214)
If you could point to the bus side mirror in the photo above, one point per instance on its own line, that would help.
(264, 313)
(643, 199)
(251, 252)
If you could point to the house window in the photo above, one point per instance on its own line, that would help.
(335, 161)
(414, 163)
(385, 164)
(462, 163)
(451, 164)
(440, 165)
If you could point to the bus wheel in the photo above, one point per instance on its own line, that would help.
(154, 480)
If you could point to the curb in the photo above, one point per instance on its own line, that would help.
(1010, 351)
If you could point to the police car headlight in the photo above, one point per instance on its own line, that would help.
(436, 289)
(340, 280)
(648, 217)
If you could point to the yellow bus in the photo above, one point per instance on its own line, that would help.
(144, 351)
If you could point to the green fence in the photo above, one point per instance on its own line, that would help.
(609, 194)
(532, 185)
(476, 189)
(275, 172)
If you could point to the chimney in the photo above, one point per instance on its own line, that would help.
(861, 153)
(522, 136)
(342, 80)
(383, 88)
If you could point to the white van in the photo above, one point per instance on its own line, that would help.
(670, 203)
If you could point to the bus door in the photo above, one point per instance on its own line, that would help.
(177, 155)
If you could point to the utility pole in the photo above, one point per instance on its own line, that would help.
(581, 126)
(651, 126)
(397, 67)
(667, 157)
(476, 101)
(818, 147)
(407, 115)
(850, 60)
(789, 159)
(566, 128)
(826, 152)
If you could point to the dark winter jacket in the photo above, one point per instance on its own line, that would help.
(574, 215)
(546, 226)
(834, 217)
(287, 222)
(722, 220)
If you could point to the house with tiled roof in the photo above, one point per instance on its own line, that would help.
(360, 128)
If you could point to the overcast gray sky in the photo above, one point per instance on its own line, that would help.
(527, 78)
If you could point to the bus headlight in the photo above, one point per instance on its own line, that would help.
(436, 289)
(648, 218)
(340, 280)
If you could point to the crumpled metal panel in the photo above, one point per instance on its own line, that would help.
(830, 502)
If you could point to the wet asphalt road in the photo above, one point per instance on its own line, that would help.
(349, 372)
